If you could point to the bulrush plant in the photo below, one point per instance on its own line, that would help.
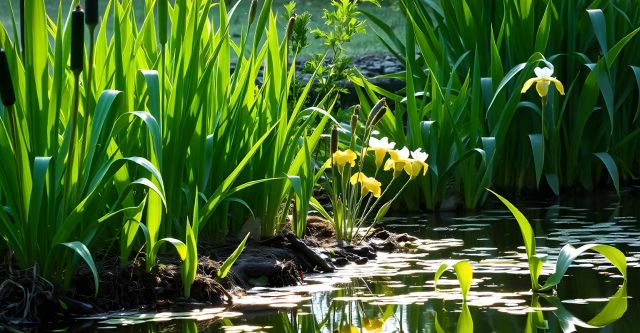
(355, 196)
(55, 213)
(82, 173)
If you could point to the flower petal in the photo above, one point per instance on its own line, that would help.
(542, 86)
(528, 84)
(357, 177)
(388, 165)
(558, 85)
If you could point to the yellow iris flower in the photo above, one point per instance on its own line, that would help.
(368, 184)
(341, 158)
(397, 161)
(542, 82)
(416, 164)
(381, 148)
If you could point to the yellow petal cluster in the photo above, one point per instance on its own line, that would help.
(413, 168)
(397, 161)
(368, 184)
(341, 158)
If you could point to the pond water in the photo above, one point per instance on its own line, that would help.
(395, 293)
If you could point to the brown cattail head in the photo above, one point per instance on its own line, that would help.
(292, 21)
(374, 110)
(77, 39)
(379, 116)
(6, 88)
(91, 17)
(334, 140)
(252, 11)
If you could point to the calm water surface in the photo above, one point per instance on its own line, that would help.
(396, 292)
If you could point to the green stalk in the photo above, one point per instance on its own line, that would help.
(374, 205)
(76, 62)
(89, 96)
(70, 155)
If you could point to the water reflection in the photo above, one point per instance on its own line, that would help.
(396, 293)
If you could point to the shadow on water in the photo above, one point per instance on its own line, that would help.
(396, 292)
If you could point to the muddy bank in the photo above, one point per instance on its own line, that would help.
(282, 260)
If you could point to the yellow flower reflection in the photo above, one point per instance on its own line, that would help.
(416, 164)
(368, 184)
(380, 147)
(348, 329)
(372, 325)
(341, 158)
(397, 161)
(542, 82)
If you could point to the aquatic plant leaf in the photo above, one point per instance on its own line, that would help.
(465, 322)
(525, 226)
(568, 254)
(464, 273)
(226, 266)
(614, 309)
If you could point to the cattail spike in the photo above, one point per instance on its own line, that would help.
(6, 88)
(162, 20)
(334, 140)
(92, 16)
(77, 39)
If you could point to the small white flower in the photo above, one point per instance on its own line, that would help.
(419, 155)
(381, 148)
(381, 144)
(543, 72)
(403, 154)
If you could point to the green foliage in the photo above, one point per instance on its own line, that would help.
(465, 87)
(464, 273)
(566, 257)
(343, 24)
(226, 266)
(83, 171)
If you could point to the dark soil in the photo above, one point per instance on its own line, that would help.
(278, 261)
